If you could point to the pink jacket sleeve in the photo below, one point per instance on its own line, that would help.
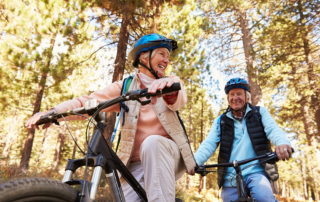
(110, 92)
(182, 96)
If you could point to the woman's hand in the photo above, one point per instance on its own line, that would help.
(34, 119)
(191, 172)
(160, 84)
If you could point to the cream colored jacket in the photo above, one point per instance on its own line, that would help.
(169, 121)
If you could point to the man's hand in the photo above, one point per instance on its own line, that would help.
(283, 152)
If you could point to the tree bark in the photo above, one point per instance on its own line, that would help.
(156, 18)
(284, 189)
(307, 122)
(60, 143)
(304, 178)
(74, 147)
(306, 116)
(44, 145)
(10, 137)
(24, 163)
(200, 183)
(201, 139)
(310, 70)
(120, 62)
(256, 93)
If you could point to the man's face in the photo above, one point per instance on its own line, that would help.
(236, 98)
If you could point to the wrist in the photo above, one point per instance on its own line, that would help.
(53, 110)
(174, 95)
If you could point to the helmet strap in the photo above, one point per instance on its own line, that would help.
(155, 74)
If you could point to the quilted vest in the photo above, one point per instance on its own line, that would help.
(169, 120)
(261, 144)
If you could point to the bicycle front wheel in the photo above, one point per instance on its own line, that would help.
(36, 190)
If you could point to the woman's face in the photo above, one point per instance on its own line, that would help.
(159, 61)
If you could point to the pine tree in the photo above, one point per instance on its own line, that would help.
(30, 51)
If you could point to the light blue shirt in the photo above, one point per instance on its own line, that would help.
(242, 147)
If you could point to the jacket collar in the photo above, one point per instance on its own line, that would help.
(248, 109)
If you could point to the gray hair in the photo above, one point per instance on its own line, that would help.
(248, 96)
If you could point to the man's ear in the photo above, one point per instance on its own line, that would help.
(143, 60)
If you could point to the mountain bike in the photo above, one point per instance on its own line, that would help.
(99, 155)
(243, 191)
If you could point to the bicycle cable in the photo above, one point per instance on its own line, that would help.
(73, 113)
(101, 133)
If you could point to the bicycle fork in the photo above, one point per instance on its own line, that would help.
(98, 157)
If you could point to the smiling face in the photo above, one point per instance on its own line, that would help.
(236, 98)
(159, 62)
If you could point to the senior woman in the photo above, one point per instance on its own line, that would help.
(153, 146)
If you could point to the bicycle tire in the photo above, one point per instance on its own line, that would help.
(36, 190)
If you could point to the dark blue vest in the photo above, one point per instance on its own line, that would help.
(261, 144)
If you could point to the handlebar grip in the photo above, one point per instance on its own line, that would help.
(46, 119)
(43, 120)
(171, 89)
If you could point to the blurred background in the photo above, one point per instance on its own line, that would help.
(54, 50)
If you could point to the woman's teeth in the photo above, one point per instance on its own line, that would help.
(162, 67)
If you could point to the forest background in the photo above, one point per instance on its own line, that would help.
(54, 50)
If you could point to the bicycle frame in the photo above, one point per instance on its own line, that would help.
(242, 193)
(101, 156)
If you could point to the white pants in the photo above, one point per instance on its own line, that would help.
(160, 166)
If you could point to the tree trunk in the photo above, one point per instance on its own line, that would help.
(26, 153)
(310, 63)
(307, 122)
(75, 146)
(156, 18)
(10, 137)
(201, 139)
(256, 93)
(200, 183)
(187, 181)
(306, 116)
(44, 145)
(119, 63)
(313, 196)
(303, 172)
(60, 143)
(284, 189)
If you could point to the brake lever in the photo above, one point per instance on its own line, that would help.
(201, 170)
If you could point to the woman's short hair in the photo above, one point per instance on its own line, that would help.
(146, 54)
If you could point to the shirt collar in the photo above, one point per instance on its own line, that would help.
(229, 114)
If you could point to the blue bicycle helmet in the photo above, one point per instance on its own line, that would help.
(149, 43)
(237, 83)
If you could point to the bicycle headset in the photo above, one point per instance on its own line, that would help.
(237, 83)
(149, 43)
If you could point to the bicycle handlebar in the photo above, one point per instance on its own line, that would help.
(130, 95)
(270, 157)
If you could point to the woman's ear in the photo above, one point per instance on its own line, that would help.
(142, 59)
